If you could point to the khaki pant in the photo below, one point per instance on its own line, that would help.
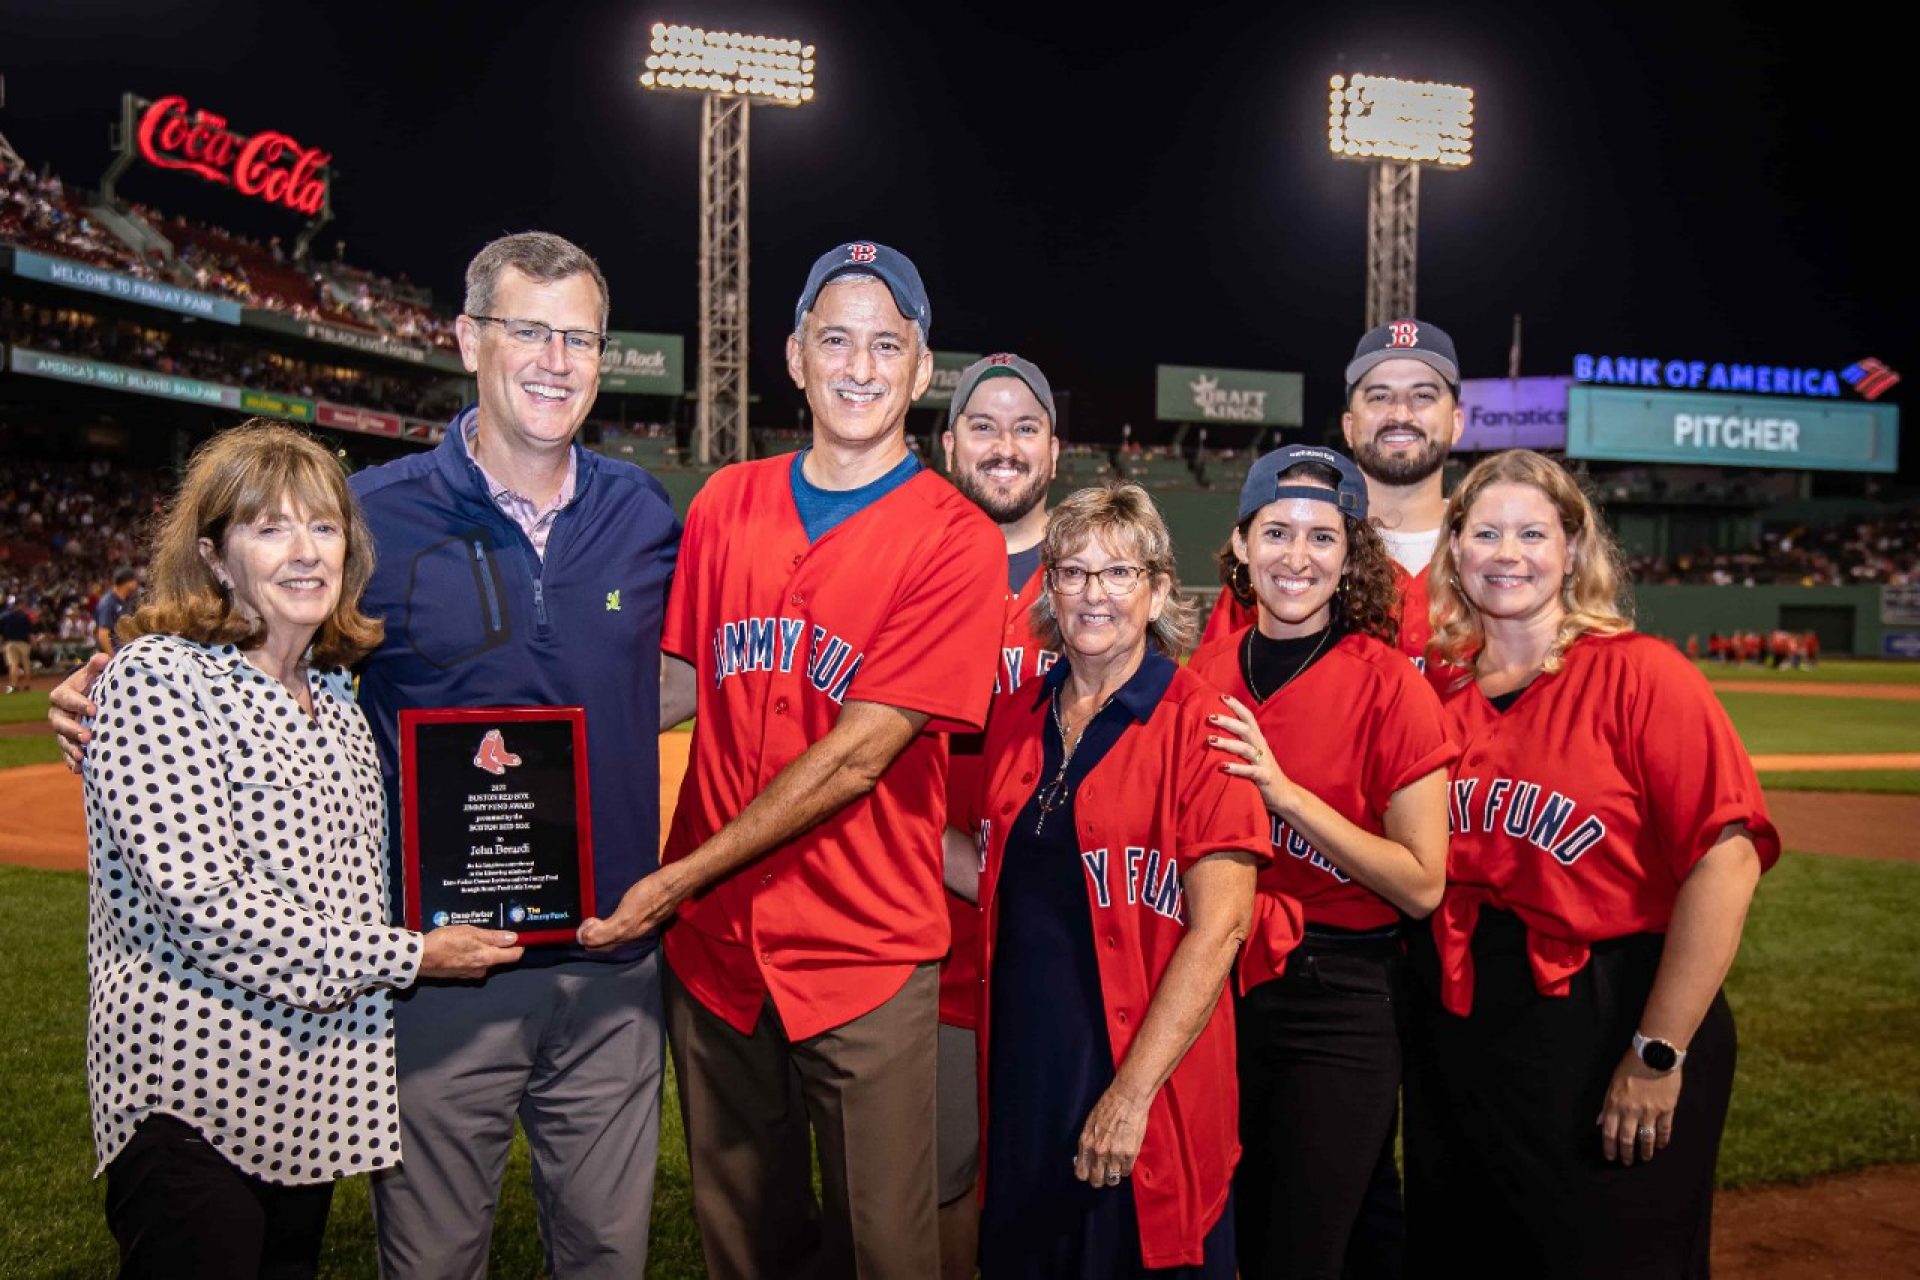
(863, 1091)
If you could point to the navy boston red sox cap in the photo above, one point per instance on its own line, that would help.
(894, 268)
(1263, 480)
(1405, 340)
(1003, 365)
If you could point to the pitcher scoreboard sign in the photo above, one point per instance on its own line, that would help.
(1251, 397)
(1616, 425)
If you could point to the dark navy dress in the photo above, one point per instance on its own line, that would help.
(1050, 1059)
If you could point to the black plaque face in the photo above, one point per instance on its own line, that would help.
(497, 824)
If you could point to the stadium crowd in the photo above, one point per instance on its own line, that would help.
(218, 359)
(40, 213)
(64, 529)
(1885, 550)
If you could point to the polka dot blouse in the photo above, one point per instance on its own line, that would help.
(237, 947)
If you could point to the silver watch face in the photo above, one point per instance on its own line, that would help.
(1658, 1055)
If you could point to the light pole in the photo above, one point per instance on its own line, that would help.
(1397, 126)
(729, 71)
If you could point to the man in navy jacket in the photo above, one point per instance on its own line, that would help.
(516, 568)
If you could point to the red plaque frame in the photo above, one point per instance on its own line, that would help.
(411, 721)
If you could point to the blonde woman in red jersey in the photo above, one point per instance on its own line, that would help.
(1570, 1056)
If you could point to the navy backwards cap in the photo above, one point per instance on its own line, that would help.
(890, 266)
(1003, 365)
(1264, 484)
(1407, 339)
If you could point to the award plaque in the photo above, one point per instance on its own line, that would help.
(496, 826)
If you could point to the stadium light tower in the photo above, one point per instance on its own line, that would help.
(730, 71)
(1398, 126)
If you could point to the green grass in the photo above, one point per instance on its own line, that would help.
(1769, 723)
(1825, 994)
(23, 708)
(1898, 782)
(1824, 991)
(1834, 671)
(39, 749)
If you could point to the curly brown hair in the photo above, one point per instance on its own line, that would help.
(234, 478)
(1368, 600)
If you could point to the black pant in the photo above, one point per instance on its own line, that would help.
(181, 1211)
(1319, 1048)
(1503, 1156)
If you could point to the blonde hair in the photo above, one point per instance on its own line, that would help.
(1122, 517)
(1593, 592)
(234, 478)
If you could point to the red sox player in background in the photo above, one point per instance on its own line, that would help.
(834, 615)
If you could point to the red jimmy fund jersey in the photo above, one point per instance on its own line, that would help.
(1416, 628)
(1155, 804)
(900, 604)
(1022, 658)
(1583, 808)
(1359, 725)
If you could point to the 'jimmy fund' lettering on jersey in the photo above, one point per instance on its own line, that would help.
(772, 644)
(1295, 845)
(1153, 881)
(1013, 664)
(1516, 805)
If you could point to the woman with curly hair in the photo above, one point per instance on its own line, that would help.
(1355, 788)
(1608, 832)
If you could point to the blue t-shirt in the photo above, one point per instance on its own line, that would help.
(822, 509)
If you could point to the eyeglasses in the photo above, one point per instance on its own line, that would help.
(534, 333)
(1118, 579)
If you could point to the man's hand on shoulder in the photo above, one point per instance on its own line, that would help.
(68, 705)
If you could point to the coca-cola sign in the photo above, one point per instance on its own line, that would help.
(267, 166)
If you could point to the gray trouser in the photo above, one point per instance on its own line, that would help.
(863, 1091)
(575, 1052)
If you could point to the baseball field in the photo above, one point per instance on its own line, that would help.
(1821, 1162)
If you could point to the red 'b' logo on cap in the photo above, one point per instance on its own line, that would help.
(1405, 333)
(861, 252)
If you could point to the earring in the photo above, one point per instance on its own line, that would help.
(1241, 580)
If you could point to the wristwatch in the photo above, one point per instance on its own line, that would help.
(1657, 1055)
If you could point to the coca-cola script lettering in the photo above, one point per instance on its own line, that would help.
(267, 166)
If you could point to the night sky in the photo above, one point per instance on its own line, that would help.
(1099, 194)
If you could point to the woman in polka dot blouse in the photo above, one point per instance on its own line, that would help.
(239, 1040)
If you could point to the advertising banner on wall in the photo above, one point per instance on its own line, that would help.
(644, 364)
(145, 382)
(275, 405)
(1513, 413)
(1900, 605)
(113, 284)
(1184, 393)
(1614, 424)
(348, 418)
(361, 340)
(947, 367)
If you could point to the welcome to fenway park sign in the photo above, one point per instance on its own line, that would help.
(171, 133)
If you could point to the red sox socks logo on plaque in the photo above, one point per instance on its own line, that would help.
(1405, 333)
(493, 755)
(861, 252)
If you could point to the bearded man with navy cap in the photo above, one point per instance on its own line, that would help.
(1403, 418)
(835, 615)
